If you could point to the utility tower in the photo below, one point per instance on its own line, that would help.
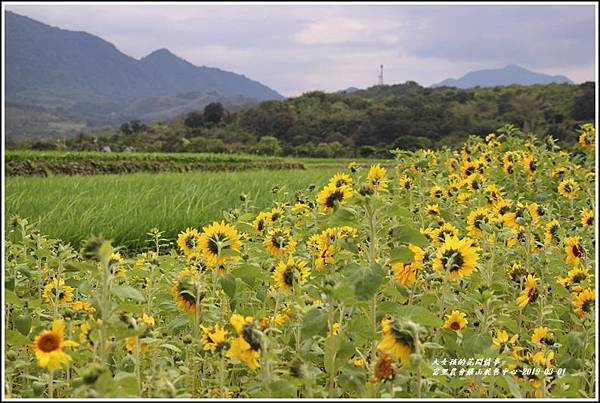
(380, 77)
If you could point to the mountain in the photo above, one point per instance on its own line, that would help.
(511, 74)
(64, 72)
(348, 90)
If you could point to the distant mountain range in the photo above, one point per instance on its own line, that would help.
(511, 74)
(76, 75)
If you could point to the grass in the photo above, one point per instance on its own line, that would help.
(125, 207)
(158, 156)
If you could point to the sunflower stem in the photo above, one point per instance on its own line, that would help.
(51, 384)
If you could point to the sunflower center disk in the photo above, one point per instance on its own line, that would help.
(49, 343)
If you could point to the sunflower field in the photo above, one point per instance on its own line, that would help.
(466, 273)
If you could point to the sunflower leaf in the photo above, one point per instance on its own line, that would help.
(123, 291)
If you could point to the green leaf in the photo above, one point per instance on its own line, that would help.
(367, 282)
(475, 342)
(343, 216)
(124, 291)
(513, 386)
(314, 322)
(23, 323)
(283, 388)
(105, 251)
(401, 255)
(171, 347)
(75, 266)
(419, 315)
(408, 234)
(337, 350)
(248, 273)
(14, 338)
(10, 297)
(228, 285)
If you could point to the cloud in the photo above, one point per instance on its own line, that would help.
(295, 48)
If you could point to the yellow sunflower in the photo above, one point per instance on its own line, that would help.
(457, 257)
(587, 139)
(219, 242)
(587, 217)
(575, 276)
(517, 272)
(469, 168)
(432, 209)
(568, 187)
(134, 342)
(325, 257)
(503, 341)
(331, 196)
(456, 321)
(185, 288)
(536, 211)
(397, 341)
(551, 232)
(404, 181)
(476, 218)
(57, 290)
(574, 250)
(214, 338)
(475, 182)
(49, 346)
(277, 213)
(279, 242)
(300, 211)
(293, 272)
(188, 241)
(340, 179)
(83, 306)
(529, 292)
(406, 273)
(559, 171)
(376, 177)
(452, 164)
(438, 235)
(247, 345)
(492, 194)
(541, 335)
(261, 220)
(584, 301)
(84, 335)
(530, 163)
(437, 192)
(116, 263)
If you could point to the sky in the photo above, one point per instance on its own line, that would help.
(295, 48)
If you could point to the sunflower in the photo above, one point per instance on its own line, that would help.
(246, 347)
(185, 288)
(446, 230)
(551, 232)
(84, 335)
(568, 188)
(456, 321)
(340, 179)
(218, 242)
(535, 211)
(277, 213)
(261, 220)
(541, 335)
(83, 306)
(587, 217)
(385, 369)
(530, 163)
(405, 181)
(574, 250)
(506, 212)
(586, 139)
(116, 263)
(148, 319)
(476, 218)
(502, 340)
(376, 177)
(474, 182)
(330, 196)
(508, 169)
(492, 194)
(279, 242)
(584, 301)
(287, 274)
(432, 210)
(529, 292)
(517, 272)
(574, 277)
(406, 273)
(468, 168)
(57, 290)
(398, 341)
(214, 338)
(543, 359)
(558, 171)
(353, 166)
(133, 342)
(457, 257)
(300, 211)
(188, 241)
(49, 346)
(325, 257)
(437, 192)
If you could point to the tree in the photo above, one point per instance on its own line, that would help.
(125, 129)
(268, 145)
(213, 112)
(194, 120)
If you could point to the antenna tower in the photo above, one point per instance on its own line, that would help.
(380, 77)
